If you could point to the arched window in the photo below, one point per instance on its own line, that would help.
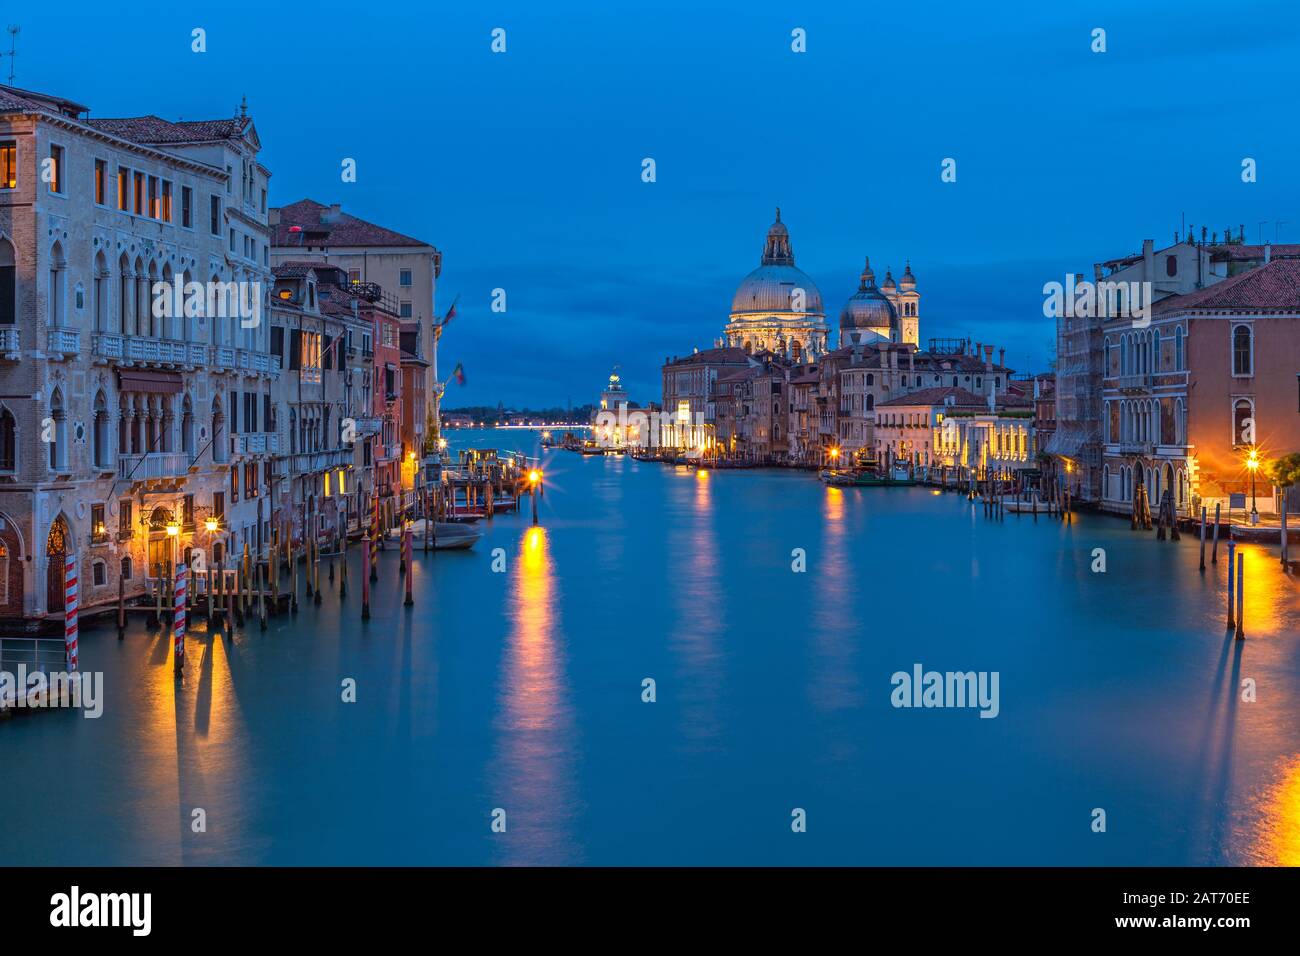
(1123, 355)
(871, 402)
(100, 293)
(125, 296)
(1243, 422)
(99, 431)
(1105, 358)
(1105, 481)
(1155, 350)
(126, 568)
(1178, 349)
(293, 431)
(871, 379)
(59, 434)
(57, 295)
(154, 325)
(220, 443)
(8, 284)
(8, 441)
(1243, 362)
(187, 428)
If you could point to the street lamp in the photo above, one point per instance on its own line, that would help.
(1252, 462)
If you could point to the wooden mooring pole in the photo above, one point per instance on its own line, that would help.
(121, 607)
(1203, 515)
(1232, 570)
(365, 578)
(1214, 552)
(1241, 597)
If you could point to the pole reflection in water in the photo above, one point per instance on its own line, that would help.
(532, 780)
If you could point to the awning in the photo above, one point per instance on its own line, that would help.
(158, 383)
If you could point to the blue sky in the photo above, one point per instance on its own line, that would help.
(524, 167)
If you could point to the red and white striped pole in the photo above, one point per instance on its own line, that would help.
(178, 625)
(70, 592)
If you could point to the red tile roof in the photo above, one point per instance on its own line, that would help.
(156, 131)
(14, 100)
(1275, 286)
(319, 227)
(937, 396)
(1239, 251)
(723, 356)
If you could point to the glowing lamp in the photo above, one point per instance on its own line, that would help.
(210, 524)
(173, 530)
(534, 475)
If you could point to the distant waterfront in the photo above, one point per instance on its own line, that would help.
(522, 691)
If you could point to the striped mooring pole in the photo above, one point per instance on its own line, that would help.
(178, 625)
(70, 602)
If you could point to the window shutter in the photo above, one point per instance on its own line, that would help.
(277, 341)
(233, 417)
(295, 349)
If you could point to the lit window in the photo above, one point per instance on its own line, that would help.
(101, 181)
(56, 169)
(8, 164)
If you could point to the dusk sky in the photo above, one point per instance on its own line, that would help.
(524, 168)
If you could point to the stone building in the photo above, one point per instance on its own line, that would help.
(405, 268)
(321, 405)
(1213, 378)
(134, 364)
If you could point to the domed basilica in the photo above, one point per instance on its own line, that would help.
(778, 308)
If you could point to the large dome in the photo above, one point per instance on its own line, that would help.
(772, 287)
(868, 308)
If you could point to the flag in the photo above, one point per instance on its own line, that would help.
(458, 374)
(451, 313)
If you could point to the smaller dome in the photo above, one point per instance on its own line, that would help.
(888, 285)
(908, 282)
(868, 308)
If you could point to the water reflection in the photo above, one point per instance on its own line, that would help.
(533, 779)
(694, 585)
(1278, 839)
(834, 682)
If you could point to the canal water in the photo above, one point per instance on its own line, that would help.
(521, 691)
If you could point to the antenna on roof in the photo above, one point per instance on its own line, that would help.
(14, 30)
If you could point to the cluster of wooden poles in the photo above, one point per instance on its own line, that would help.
(993, 495)
(253, 585)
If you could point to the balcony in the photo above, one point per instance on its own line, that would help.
(228, 358)
(255, 444)
(62, 343)
(1142, 381)
(1131, 448)
(10, 344)
(153, 466)
(313, 462)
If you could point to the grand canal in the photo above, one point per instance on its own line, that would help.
(522, 690)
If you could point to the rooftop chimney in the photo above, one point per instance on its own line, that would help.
(1002, 357)
(273, 217)
(1268, 253)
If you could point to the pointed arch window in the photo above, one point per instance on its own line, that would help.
(8, 441)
